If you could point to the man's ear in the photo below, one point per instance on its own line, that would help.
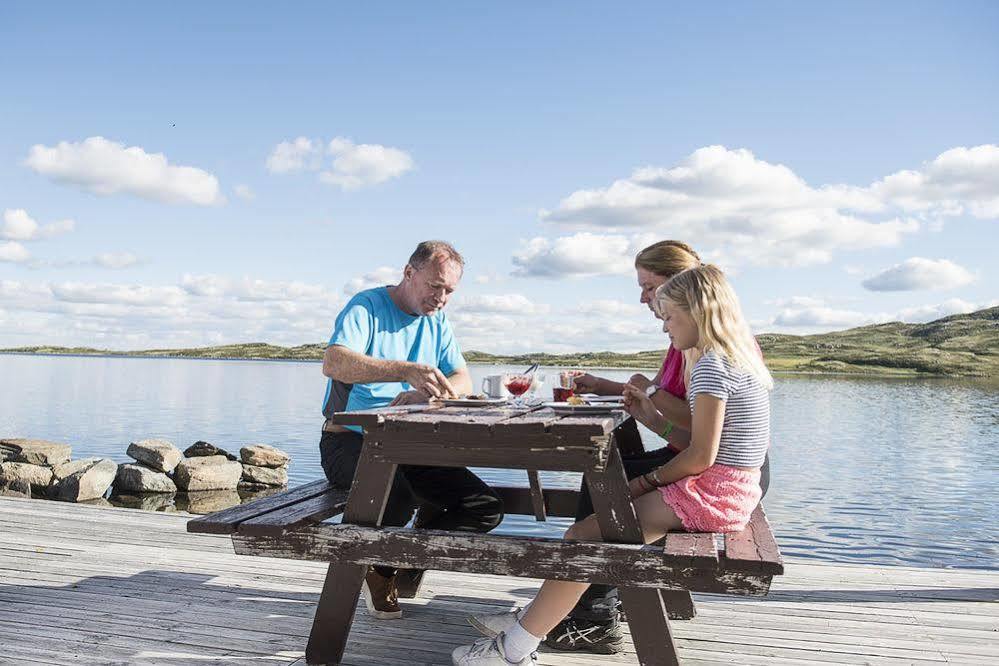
(407, 272)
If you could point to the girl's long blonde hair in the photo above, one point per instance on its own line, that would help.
(708, 297)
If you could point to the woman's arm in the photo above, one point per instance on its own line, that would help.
(587, 383)
(673, 408)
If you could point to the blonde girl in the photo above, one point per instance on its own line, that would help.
(710, 486)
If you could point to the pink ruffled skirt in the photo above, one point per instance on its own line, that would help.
(719, 499)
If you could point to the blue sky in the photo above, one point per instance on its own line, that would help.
(838, 160)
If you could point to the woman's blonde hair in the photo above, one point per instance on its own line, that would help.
(667, 258)
(707, 296)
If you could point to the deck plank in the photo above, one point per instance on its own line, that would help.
(81, 584)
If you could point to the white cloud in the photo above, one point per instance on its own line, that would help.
(924, 313)
(960, 180)
(612, 309)
(19, 226)
(116, 260)
(131, 316)
(918, 273)
(379, 277)
(353, 166)
(747, 210)
(13, 252)
(359, 165)
(134, 295)
(106, 167)
(583, 254)
(820, 316)
(513, 304)
(299, 155)
(244, 192)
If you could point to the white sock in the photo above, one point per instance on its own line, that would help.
(518, 643)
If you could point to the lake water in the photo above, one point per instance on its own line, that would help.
(888, 471)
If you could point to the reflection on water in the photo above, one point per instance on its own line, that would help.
(870, 470)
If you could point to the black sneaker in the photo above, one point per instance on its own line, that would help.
(574, 634)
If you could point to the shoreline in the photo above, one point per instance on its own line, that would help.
(256, 359)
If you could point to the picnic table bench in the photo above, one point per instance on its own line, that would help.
(655, 580)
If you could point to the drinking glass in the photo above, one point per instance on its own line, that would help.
(518, 385)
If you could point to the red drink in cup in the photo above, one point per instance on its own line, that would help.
(561, 394)
(518, 385)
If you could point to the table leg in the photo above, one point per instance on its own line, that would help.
(338, 601)
(646, 612)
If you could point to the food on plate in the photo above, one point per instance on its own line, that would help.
(575, 400)
(473, 396)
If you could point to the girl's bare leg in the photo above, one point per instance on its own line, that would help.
(557, 597)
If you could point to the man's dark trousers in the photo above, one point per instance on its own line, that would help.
(449, 498)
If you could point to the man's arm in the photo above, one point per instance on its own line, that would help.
(461, 380)
(351, 367)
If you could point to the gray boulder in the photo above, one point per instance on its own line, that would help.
(37, 477)
(159, 454)
(137, 478)
(62, 470)
(88, 483)
(263, 455)
(7, 452)
(268, 476)
(36, 451)
(208, 473)
(201, 448)
(15, 488)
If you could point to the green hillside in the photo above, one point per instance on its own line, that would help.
(957, 346)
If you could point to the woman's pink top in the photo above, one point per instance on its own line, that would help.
(671, 378)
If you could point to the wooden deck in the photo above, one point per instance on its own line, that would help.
(92, 585)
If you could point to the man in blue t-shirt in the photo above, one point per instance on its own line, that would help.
(394, 345)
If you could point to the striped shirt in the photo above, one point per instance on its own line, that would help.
(745, 432)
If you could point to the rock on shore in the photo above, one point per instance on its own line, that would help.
(137, 478)
(201, 448)
(208, 473)
(35, 451)
(158, 454)
(82, 480)
(263, 455)
(38, 477)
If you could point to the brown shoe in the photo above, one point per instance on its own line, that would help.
(381, 596)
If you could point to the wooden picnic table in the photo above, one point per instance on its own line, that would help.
(650, 577)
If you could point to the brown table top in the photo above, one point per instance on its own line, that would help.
(474, 421)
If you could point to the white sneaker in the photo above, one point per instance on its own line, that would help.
(487, 652)
(494, 624)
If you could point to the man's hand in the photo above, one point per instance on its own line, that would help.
(409, 398)
(641, 381)
(430, 381)
(585, 383)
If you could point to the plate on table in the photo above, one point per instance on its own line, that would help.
(593, 398)
(473, 402)
(569, 408)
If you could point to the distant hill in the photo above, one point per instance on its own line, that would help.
(958, 346)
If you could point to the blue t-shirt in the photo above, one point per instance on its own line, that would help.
(373, 325)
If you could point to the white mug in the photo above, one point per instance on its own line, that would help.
(495, 386)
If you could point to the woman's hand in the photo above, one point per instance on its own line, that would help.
(638, 405)
(585, 383)
(641, 381)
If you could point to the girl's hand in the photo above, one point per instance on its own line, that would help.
(638, 487)
(638, 405)
(585, 383)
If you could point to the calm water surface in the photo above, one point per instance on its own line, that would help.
(888, 471)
